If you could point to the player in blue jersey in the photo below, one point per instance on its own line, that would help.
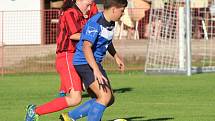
(96, 39)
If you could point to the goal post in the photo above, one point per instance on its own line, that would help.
(188, 38)
(172, 48)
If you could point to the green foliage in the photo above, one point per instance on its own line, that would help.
(139, 97)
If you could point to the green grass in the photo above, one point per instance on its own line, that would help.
(139, 97)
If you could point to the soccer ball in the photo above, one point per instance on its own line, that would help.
(120, 120)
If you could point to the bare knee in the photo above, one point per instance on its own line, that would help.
(104, 95)
(106, 100)
(112, 100)
(73, 99)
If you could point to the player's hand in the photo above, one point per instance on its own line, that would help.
(102, 81)
(120, 63)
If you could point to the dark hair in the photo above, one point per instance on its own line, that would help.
(68, 4)
(115, 3)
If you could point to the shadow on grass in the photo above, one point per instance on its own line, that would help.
(140, 118)
(157, 119)
(120, 90)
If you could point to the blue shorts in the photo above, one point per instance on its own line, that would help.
(86, 74)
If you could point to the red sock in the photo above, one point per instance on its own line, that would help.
(53, 106)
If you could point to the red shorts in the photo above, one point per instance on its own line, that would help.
(68, 75)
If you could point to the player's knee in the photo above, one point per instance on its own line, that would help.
(106, 99)
(73, 100)
(111, 101)
(77, 101)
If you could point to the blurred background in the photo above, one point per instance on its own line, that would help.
(28, 31)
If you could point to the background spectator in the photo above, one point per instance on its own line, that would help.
(134, 12)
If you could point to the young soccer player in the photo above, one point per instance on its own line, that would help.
(93, 10)
(96, 39)
(71, 21)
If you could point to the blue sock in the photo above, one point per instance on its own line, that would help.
(96, 112)
(82, 110)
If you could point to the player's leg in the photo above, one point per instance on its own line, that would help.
(112, 99)
(93, 95)
(52, 106)
(78, 112)
(62, 91)
(105, 96)
(73, 85)
(83, 109)
(72, 82)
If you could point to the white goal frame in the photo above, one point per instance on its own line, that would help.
(179, 37)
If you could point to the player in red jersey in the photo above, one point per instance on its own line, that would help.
(72, 18)
(92, 11)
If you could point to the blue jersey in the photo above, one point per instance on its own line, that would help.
(99, 32)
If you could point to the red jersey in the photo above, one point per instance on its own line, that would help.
(71, 21)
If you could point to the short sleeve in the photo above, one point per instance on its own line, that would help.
(90, 32)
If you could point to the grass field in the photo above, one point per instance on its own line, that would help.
(139, 97)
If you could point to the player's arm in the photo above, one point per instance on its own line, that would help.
(117, 58)
(87, 49)
(74, 28)
(75, 36)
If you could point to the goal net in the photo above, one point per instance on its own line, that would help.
(170, 36)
